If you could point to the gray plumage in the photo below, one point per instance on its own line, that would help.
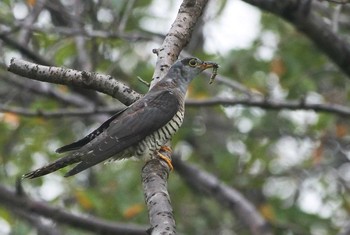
(140, 129)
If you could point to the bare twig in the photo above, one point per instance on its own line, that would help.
(126, 15)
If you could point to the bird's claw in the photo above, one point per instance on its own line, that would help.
(165, 158)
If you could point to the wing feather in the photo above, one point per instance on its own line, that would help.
(141, 119)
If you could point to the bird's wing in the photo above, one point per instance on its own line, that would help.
(80, 143)
(141, 119)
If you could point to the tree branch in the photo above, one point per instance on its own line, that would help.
(335, 109)
(59, 113)
(178, 36)
(95, 81)
(48, 90)
(24, 50)
(36, 222)
(210, 185)
(273, 105)
(13, 201)
(298, 13)
(154, 181)
(160, 214)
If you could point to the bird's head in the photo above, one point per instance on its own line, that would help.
(191, 66)
(183, 71)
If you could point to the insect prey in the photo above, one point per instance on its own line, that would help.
(214, 73)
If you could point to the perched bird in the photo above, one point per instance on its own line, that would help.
(139, 130)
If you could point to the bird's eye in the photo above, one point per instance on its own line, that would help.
(193, 63)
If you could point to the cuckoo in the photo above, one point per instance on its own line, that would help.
(140, 130)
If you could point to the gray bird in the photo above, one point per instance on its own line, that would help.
(139, 130)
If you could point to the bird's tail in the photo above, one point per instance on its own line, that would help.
(54, 166)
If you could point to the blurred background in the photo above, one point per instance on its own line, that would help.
(292, 165)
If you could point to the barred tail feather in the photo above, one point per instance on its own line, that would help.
(54, 166)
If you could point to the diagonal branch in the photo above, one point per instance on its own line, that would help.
(208, 184)
(23, 49)
(300, 14)
(13, 201)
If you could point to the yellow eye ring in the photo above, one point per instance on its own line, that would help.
(193, 63)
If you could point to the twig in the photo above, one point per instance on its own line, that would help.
(144, 82)
(126, 15)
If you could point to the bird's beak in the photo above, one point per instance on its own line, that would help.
(207, 65)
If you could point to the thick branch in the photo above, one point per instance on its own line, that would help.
(228, 196)
(298, 13)
(160, 214)
(154, 181)
(95, 81)
(178, 36)
(13, 201)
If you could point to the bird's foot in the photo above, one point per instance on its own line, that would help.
(165, 158)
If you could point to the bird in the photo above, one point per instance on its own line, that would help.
(140, 130)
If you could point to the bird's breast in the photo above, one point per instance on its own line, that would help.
(145, 149)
